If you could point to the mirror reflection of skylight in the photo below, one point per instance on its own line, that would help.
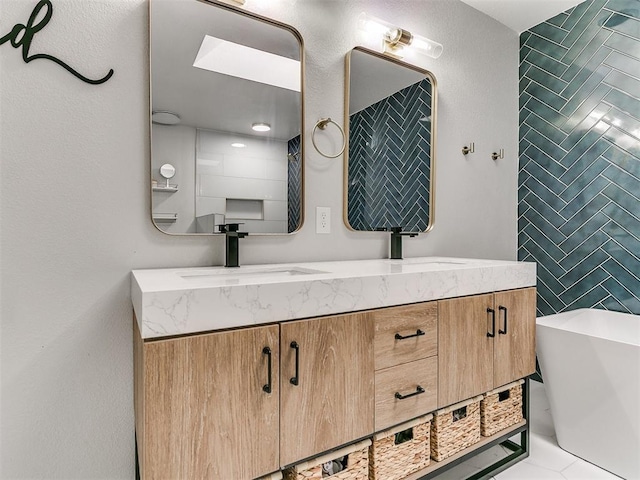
(239, 61)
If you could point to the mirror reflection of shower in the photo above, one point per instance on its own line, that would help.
(200, 130)
(390, 113)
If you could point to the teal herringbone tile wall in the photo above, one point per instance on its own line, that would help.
(294, 184)
(579, 178)
(390, 162)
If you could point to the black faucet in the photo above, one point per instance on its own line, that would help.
(396, 241)
(232, 235)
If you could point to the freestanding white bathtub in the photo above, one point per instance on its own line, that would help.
(590, 362)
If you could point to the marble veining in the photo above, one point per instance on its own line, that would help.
(175, 301)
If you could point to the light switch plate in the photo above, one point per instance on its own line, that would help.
(323, 219)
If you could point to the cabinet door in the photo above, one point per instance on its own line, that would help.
(515, 340)
(333, 401)
(206, 412)
(465, 352)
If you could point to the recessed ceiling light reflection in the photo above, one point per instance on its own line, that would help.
(163, 117)
(261, 127)
(238, 145)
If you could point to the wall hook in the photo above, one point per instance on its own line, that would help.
(469, 149)
(497, 155)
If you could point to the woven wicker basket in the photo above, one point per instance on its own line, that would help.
(455, 428)
(501, 408)
(357, 464)
(391, 461)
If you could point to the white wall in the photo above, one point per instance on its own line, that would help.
(75, 202)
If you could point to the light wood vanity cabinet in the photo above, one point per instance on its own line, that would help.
(205, 407)
(484, 342)
(406, 333)
(514, 351)
(331, 402)
(405, 392)
(201, 409)
(406, 362)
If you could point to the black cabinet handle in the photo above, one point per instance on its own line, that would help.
(267, 351)
(418, 391)
(503, 332)
(492, 333)
(417, 334)
(295, 380)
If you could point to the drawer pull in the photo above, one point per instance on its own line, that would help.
(503, 309)
(295, 380)
(492, 333)
(418, 391)
(417, 334)
(267, 388)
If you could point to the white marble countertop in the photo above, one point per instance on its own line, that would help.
(177, 301)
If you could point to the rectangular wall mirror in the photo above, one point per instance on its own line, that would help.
(227, 115)
(391, 120)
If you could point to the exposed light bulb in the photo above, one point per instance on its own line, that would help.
(372, 24)
(375, 30)
(426, 46)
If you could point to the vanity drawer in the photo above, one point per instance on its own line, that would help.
(404, 334)
(416, 384)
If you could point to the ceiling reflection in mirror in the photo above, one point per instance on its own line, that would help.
(391, 118)
(227, 113)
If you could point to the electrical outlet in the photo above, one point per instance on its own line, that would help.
(323, 219)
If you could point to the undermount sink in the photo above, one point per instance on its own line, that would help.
(422, 261)
(234, 275)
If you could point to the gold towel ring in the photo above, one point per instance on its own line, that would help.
(322, 124)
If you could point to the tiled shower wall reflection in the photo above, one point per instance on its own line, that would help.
(390, 162)
(294, 189)
(579, 180)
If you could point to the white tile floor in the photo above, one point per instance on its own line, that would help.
(546, 459)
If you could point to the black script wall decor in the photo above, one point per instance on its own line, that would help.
(21, 36)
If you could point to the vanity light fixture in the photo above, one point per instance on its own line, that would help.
(396, 41)
(261, 127)
(238, 145)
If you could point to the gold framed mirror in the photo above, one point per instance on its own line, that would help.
(227, 89)
(390, 120)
